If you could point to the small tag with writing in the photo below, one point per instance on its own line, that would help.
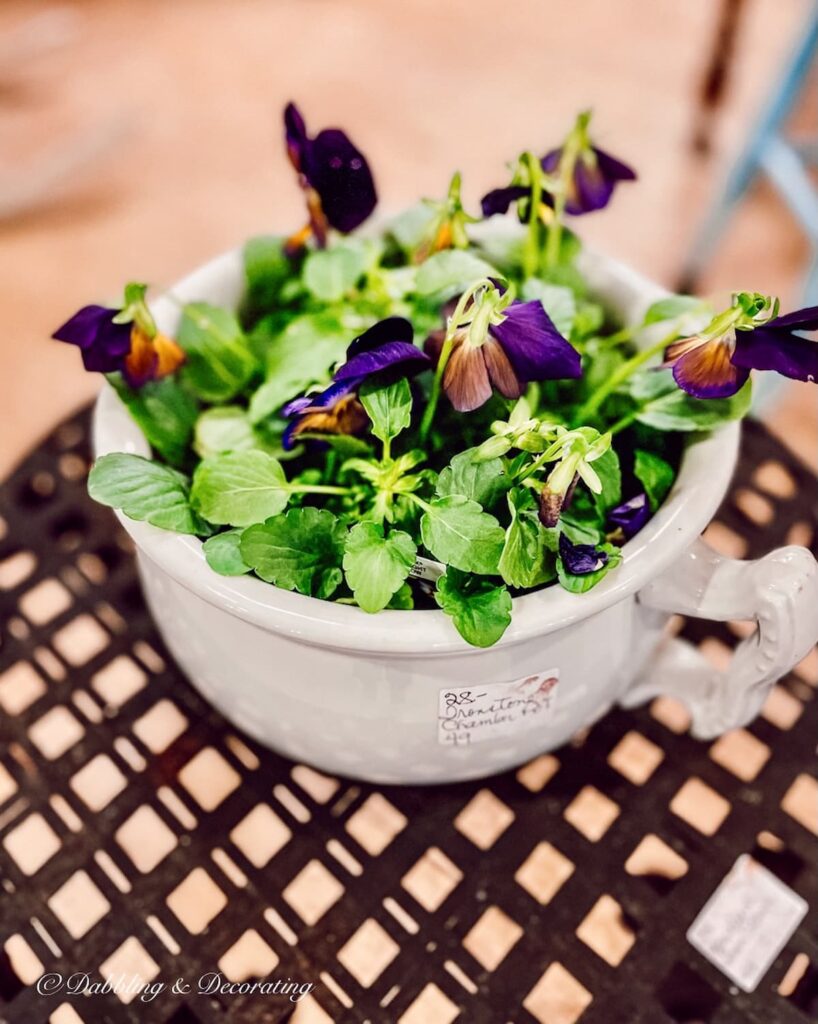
(473, 714)
(747, 922)
(426, 569)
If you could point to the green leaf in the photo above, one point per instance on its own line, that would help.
(389, 407)
(581, 584)
(301, 550)
(578, 529)
(297, 358)
(484, 482)
(693, 312)
(676, 410)
(526, 559)
(164, 412)
(219, 361)
(329, 274)
(239, 488)
(143, 490)
(266, 268)
(458, 532)
(610, 476)
(403, 599)
(480, 610)
(600, 362)
(449, 272)
(376, 566)
(655, 474)
(559, 302)
(589, 319)
(410, 226)
(226, 428)
(223, 553)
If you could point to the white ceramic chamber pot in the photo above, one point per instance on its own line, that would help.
(399, 697)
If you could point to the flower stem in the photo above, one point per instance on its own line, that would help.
(611, 340)
(554, 238)
(434, 394)
(419, 501)
(531, 251)
(317, 489)
(624, 422)
(586, 411)
(533, 467)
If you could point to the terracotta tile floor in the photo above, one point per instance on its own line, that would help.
(181, 104)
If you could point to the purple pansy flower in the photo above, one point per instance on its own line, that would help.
(583, 175)
(134, 347)
(518, 346)
(334, 175)
(717, 363)
(581, 559)
(631, 515)
(385, 348)
(595, 175)
(498, 200)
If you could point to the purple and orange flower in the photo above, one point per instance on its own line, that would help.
(334, 175)
(716, 363)
(385, 349)
(122, 340)
(502, 344)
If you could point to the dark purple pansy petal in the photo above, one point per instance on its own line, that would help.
(341, 176)
(551, 160)
(295, 133)
(84, 325)
(393, 328)
(705, 370)
(499, 199)
(631, 515)
(104, 344)
(296, 405)
(534, 346)
(321, 399)
(798, 320)
(613, 169)
(787, 354)
(580, 559)
(288, 436)
(393, 353)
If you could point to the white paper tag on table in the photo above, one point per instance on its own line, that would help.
(474, 714)
(747, 922)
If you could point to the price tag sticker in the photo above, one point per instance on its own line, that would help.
(747, 922)
(474, 714)
(426, 569)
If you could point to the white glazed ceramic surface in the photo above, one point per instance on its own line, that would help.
(359, 694)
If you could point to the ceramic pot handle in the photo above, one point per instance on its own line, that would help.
(779, 592)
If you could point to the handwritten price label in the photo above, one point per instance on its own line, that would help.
(474, 714)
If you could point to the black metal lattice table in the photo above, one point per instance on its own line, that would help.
(140, 833)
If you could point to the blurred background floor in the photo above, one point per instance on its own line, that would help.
(164, 120)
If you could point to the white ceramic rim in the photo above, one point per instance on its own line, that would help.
(703, 479)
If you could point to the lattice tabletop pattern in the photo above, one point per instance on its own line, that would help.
(140, 834)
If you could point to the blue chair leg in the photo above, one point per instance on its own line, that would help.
(754, 155)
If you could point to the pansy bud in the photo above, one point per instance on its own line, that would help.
(493, 448)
